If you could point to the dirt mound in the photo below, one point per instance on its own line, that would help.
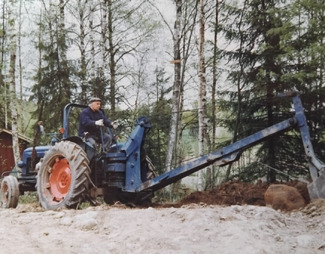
(238, 193)
(283, 197)
(315, 208)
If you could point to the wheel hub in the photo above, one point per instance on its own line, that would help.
(5, 193)
(60, 179)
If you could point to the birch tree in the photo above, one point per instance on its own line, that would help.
(188, 31)
(106, 20)
(12, 71)
(64, 70)
(182, 35)
(92, 71)
(176, 87)
(3, 53)
(21, 123)
(215, 60)
(84, 12)
(124, 27)
(82, 8)
(202, 112)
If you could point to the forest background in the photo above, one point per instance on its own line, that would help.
(206, 73)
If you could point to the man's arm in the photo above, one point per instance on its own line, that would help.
(107, 122)
(86, 119)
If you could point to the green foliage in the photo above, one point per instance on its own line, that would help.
(273, 46)
(275, 55)
(28, 198)
(157, 138)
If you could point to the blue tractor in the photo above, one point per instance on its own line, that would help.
(73, 171)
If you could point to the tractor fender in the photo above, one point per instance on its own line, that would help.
(90, 151)
(77, 140)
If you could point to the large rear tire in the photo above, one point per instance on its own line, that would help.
(64, 177)
(9, 192)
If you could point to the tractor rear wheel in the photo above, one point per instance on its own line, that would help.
(63, 179)
(9, 192)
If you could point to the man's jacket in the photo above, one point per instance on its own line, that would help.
(87, 121)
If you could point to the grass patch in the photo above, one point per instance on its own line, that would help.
(28, 197)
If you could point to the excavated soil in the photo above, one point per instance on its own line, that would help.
(238, 193)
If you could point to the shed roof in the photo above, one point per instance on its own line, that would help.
(21, 137)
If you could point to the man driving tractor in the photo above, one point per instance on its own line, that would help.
(91, 120)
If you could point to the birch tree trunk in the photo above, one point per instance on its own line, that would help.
(92, 71)
(214, 88)
(2, 63)
(12, 70)
(65, 84)
(103, 45)
(105, 9)
(107, 46)
(83, 71)
(19, 54)
(188, 28)
(112, 61)
(21, 124)
(189, 19)
(40, 104)
(214, 74)
(202, 112)
(62, 36)
(172, 140)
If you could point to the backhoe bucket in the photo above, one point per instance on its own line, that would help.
(316, 189)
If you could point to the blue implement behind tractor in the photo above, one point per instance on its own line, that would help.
(72, 170)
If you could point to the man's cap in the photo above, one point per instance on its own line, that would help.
(92, 99)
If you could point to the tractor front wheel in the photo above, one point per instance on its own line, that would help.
(9, 192)
(63, 179)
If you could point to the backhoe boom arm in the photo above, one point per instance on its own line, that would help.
(233, 151)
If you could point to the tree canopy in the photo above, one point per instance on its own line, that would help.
(209, 69)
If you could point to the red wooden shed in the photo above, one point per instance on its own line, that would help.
(7, 161)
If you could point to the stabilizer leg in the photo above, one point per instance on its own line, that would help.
(316, 189)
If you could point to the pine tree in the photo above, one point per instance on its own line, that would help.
(259, 67)
(53, 85)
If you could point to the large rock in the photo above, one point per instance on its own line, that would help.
(283, 197)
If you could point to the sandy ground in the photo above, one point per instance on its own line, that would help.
(192, 228)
